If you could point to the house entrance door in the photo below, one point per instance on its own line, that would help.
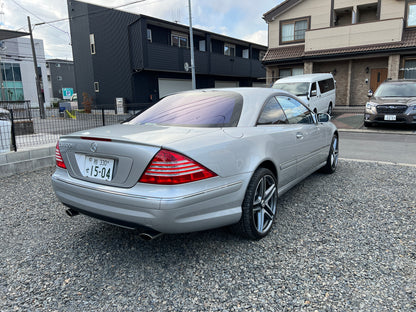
(378, 75)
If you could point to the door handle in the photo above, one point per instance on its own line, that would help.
(299, 136)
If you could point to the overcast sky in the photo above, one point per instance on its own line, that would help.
(241, 19)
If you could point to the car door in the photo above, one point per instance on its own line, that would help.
(309, 135)
(281, 140)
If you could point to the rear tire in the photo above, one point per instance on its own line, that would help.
(259, 206)
(332, 160)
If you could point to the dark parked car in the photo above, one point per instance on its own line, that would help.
(393, 102)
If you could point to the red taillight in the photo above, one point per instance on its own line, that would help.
(58, 157)
(169, 168)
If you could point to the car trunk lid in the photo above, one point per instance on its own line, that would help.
(118, 155)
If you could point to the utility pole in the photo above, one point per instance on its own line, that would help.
(192, 47)
(35, 63)
(3, 97)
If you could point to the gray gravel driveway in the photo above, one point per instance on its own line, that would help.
(344, 242)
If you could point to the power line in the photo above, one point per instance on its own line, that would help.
(92, 13)
(31, 13)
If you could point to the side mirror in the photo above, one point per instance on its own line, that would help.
(370, 93)
(313, 93)
(323, 117)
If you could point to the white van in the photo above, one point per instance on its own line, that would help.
(316, 90)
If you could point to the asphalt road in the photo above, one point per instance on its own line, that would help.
(378, 146)
(341, 242)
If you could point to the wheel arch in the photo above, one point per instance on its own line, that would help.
(268, 164)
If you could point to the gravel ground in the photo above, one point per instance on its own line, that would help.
(344, 242)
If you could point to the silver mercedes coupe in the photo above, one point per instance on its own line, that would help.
(196, 160)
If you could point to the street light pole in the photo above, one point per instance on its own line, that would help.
(35, 63)
(192, 46)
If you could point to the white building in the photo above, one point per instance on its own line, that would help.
(19, 78)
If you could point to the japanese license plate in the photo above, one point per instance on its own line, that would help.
(390, 117)
(98, 168)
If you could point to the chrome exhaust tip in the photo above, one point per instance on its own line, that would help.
(150, 235)
(71, 212)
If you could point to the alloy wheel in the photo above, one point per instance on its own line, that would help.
(334, 152)
(264, 204)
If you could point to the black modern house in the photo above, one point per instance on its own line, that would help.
(141, 58)
(60, 76)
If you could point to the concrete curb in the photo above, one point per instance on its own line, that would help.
(377, 131)
(27, 160)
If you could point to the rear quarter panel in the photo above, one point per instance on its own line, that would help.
(238, 150)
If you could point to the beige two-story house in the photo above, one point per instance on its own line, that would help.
(361, 42)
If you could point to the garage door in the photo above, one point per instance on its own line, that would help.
(169, 86)
(227, 84)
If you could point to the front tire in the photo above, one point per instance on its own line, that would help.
(332, 160)
(259, 205)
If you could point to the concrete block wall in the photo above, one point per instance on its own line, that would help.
(27, 160)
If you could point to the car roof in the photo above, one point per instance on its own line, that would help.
(305, 78)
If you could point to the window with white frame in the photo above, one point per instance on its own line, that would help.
(92, 43)
(229, 49)
(149, 35)
(294, 30)
(179, 40)
(411, 14)
(245, 53)
(202, 46)
(12, 87)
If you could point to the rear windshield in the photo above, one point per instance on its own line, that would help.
(396, 90)
(296, 88)
(194, 109)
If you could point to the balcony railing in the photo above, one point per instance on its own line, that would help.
(354, 35)
(167, 58)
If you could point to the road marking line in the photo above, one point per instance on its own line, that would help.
(378, 162)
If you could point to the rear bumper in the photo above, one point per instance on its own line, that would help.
(217, 203)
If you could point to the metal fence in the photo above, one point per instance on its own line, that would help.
(21, 126)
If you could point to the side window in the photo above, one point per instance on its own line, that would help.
(313, 88)
(272, 114)
(295, 111)
(326, 85)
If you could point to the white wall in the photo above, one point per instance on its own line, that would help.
(19, 51)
